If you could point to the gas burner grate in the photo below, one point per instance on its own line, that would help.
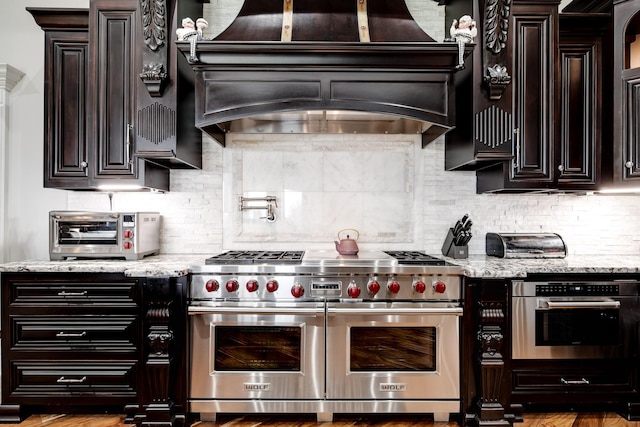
(257, 257)
(415, 258)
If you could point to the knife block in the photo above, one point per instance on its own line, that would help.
(451, 250)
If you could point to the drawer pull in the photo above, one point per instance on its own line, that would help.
(72, 294)
(582, 381)
(63, 380)
(71, 334)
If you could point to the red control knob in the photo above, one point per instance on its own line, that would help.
(232, 285)
(439, 286)
(297, 291)
(127, 245)
(394, 287)
(127, 234)
(373, 287)
(252, 285)
(272, 285)
(353, 291)
(211, 285)
(419, 286)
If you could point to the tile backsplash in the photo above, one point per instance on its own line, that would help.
(395, 193)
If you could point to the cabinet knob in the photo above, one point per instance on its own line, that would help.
(629, 164)
(84, 164)
(561, 168)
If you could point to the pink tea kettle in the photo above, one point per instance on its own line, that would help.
(347, 246)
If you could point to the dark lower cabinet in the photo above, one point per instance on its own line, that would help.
(94, 342)
(498, 389)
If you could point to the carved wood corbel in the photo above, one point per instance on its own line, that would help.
(496, 34)
(154, 34)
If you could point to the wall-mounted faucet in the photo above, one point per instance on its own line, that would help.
(271, 204)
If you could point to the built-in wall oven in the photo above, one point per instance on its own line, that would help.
(575, 319)
(324, 334)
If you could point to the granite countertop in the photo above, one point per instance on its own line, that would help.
(152, 266)
(482, 266)
(476, 266)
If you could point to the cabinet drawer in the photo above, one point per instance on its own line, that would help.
(74, 333)
(573, 381)
(71, 379)
(43, 293)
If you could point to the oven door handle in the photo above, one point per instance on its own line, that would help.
(556, 305)
(432, 310)
(254, 310)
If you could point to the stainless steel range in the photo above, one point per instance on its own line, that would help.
(318, 332)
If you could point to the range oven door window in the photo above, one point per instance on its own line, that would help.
(257, 348)
(393, 351)
(400, 349)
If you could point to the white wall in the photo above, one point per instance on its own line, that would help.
(193, 211)
(28, 203)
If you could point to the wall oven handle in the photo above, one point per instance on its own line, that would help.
(555, 305)
(431, 310)
(254, 310)
(582, 381)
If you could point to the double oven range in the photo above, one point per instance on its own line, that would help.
(316, 332)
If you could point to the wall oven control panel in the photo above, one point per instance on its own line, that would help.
(577, 289)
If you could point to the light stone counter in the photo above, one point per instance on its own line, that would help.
(152, 266)
(476, 266)
(482, 266)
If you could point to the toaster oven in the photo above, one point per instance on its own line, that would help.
(127, 235)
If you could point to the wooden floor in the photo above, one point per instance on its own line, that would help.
(564, 419)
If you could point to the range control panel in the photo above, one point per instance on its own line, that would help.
(314, 287)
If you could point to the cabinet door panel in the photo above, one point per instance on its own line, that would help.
(631, 136)
(533, 96)
(580, 114)
(66, 61)
(113, 40)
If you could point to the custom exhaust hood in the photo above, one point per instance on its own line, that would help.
(323, 66)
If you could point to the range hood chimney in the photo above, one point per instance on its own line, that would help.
(324, 66)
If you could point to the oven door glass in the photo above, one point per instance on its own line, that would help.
(86, 232)
(382, 349)
(393, 351)
(257, 351)
(589, 326)
(257, 348)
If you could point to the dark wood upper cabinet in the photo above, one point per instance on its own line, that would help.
(559, 102)
(533, 38)
(119, 100)
(626, 95)
(113, 50)
(582, 93)
(65, 89)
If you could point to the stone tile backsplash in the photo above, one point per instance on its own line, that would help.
(364, 174)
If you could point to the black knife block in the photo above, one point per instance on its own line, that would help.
(451, 250)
